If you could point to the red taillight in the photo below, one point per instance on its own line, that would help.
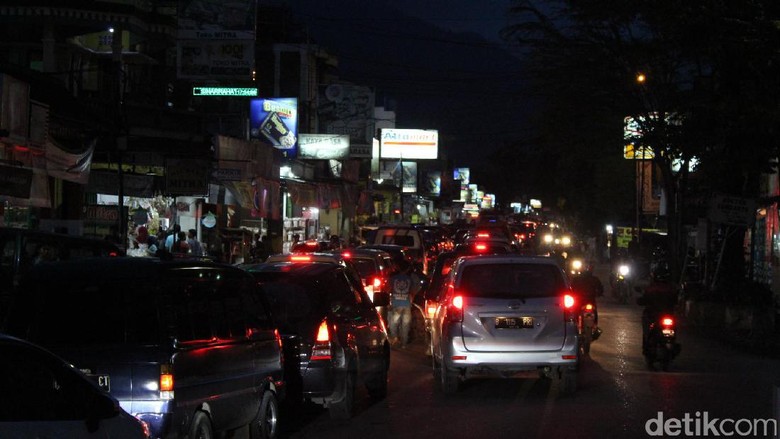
(589, 307)
(300, 258)
(311, 243)
(480, 247)
(321, 349)
(346, 255)
(568, 307)
(667, 321)
(483, 235)
(455, 309)
(377, 282)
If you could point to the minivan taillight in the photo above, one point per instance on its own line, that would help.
(455, 309)
(166, 382)
(321, 349)
(568, 307)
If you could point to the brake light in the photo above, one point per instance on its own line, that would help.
(321, 349)
(346, 255)
(667, 321)
(589, 307)
(377, 282)
(483, 235)
(297, 258)
(311, 243)
(480, 247)
(568, 307)
(455, 309)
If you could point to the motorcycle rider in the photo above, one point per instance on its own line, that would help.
(589, 287)
(660, 296)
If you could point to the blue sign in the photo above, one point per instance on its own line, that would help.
(275, 121)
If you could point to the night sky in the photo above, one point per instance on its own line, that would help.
(439, 64)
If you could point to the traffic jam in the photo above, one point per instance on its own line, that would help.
(200, 348)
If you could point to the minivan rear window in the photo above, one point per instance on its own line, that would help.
(365, 267)
(511, 280)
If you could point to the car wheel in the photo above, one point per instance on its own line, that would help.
(449, 379)
(376, 383)
(201, 427)
(265, 424)
(342, 409)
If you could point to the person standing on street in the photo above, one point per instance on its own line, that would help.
(196, 248)
(405, 284)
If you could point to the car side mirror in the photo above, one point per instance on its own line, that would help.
(381, 298)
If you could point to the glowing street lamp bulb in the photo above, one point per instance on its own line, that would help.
(641, 78)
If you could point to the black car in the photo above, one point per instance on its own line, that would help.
(332, 335)
(188, 347)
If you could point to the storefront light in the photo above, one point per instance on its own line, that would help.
(285, 171)
(314, 210)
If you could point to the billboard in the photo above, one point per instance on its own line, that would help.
(348, 109)
(391, 170)
(275, 121)
(461, 174)
(215, 39)
(409, 144)
(432, 183)
(323, 146)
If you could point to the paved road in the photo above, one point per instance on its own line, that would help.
(617, 394)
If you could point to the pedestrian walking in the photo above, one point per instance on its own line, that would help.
(405, 284)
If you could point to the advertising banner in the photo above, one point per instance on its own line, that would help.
(69, 166)
(461, 174)
(391, 170)
(409, 144)
(323, 146)
(216, 39)
(14, 106)
(187, 177)
(348, 109)
(432, 183)
(15, 181)
(275, 121)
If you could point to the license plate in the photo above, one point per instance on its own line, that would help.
(103, 381)
(514, 322)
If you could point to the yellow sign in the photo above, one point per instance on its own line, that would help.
(631, 152)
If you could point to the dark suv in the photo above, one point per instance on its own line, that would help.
(188, 347)
(333, 336)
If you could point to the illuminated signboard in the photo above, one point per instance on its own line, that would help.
(409, 144)
(275, 122)
(324, 146)
(461, 174)
(223, 91)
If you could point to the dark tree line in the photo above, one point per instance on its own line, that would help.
(710, 93)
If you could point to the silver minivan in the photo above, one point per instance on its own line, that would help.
(504, 315)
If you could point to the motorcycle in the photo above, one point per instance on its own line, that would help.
(621, 288)
(660, 345)
(587, 324)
